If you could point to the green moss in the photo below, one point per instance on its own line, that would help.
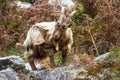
(79, 14)
(58, 58)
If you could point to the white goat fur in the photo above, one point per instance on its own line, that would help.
(35, 37)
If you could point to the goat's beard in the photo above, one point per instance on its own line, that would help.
(56, 44)
(57, 40)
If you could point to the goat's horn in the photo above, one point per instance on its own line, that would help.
(68, 18)
(61, 15)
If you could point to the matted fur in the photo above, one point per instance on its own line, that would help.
(42, 33)
(46, 38)
(38, 34)
(35, 35)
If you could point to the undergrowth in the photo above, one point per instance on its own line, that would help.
(12, 51)
(97, 27)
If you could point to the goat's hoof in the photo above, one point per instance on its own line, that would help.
(34, 69)
(43, 68)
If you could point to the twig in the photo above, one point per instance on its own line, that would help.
(93, 41)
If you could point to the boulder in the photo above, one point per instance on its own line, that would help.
(8, 74)
(23, 5)
(70, 72)
(14, 62)
(14, 68)
(28, 67)
(102, 57)
(67, 3)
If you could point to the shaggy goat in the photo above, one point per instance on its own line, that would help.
(46, 38)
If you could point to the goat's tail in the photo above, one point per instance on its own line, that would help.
(27, 41)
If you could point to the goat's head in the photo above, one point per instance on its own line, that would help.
(60, 30)
(61, 27)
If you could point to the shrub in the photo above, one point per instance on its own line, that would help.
(103, 19)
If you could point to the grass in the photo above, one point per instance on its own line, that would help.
(12, 51)
(58, 59)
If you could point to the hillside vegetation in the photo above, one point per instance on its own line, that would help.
(96, 28)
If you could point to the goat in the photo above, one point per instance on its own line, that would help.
(46, 38)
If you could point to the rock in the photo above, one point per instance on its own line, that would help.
(14, 68)
(28, 67)
(14, 62)
(102, 57)
(67, 3)
(70, 72)
(8, 74)
(23, 5)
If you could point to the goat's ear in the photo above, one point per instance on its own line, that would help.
(69, 25)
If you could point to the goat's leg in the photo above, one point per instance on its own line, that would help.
(51, 55)
(31, 62)
(64, 55)
(52, 61)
